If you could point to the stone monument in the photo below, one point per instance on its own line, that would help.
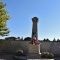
(34, 45)
(34, 40)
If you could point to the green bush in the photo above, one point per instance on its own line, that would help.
(19, 52)
(51, 55)
(47, 55)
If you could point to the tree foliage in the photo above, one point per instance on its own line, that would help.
(27, 39)
(3, 20)
(58, 40)
(10, 38)
(54, 39)
(46, 39)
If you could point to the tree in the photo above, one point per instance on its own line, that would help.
(46, 39)
(10, 38)
(58, 39)
(27, 39)
(18, 38)
(54, 39)
(3, 20)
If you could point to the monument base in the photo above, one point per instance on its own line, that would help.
(34, 51)
(34, 56)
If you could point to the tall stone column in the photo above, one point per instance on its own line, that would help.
(34, 30)
(34, 45)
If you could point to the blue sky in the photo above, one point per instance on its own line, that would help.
(22, 11)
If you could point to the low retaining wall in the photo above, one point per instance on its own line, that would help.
(10, 46)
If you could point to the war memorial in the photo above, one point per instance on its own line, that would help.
(34, 44)
(32, 49)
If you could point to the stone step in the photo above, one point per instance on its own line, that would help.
(26, 58)
(34, 56)
(40, 59)
(2, 59)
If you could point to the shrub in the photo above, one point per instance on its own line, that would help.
(47, 55)
(19, 52)
(51, 55)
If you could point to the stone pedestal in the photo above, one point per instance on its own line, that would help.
(34, 48)
(34, 51)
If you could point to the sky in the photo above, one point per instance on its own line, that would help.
(21, 13)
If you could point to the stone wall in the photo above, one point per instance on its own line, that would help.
(52, 47)
(7, 46)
